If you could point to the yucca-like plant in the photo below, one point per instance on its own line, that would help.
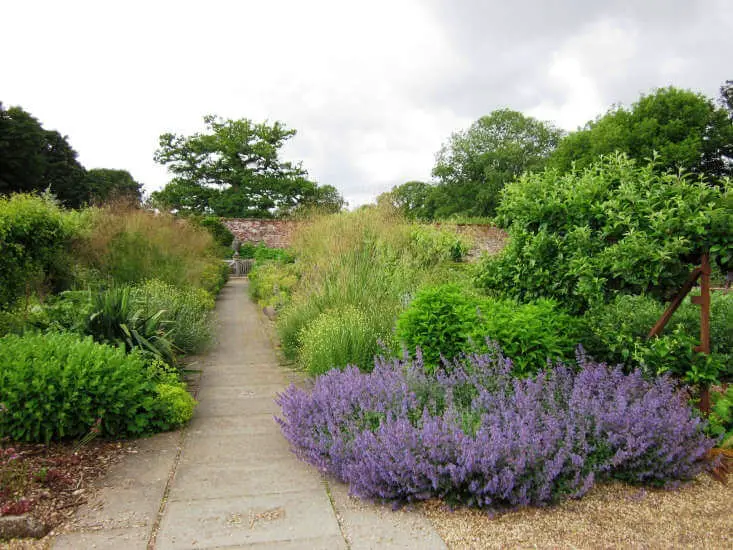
(117, 318)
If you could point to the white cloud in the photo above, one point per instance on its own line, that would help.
(605, 47)
(373, 88)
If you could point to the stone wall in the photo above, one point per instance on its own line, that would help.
(279, 233)
(273, 233)
(487, 237)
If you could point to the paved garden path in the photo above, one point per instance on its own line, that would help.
(229, 479)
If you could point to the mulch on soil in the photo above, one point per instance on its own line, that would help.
(49, 482)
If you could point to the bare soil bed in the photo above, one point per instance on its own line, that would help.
(698, 515)
(50, 482)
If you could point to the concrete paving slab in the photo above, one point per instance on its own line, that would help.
(246, 390)
(239, 449)
(226, 426)
(146, 469)
(319, 543)
(110, 539)
(368, 526)
(265, 369)
(235, 406)
(246, 520)
(202, 481)
(117, 508)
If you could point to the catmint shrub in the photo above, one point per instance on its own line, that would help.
(477, 435)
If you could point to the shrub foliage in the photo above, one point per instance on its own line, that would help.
(446, 321)
(33, 237)
(612, 228)
(59, 385)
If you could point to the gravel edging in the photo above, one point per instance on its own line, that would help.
(698, 515)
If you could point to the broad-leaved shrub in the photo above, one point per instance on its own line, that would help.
(447, 321)
(440, 321)
(613, 228)
(57, 385)
(33, 238)
(617, 333)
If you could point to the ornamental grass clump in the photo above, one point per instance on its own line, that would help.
(474, 434)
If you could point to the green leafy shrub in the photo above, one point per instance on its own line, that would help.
(173, 406)
(247, 250)
(338, 338)
(118, 319)
(69, 310)
(530, 334)
(33, 238)
(262, 254)
(447, 321)
(271, 283)
(439, 321)
(616, 332)
(57, 385)
(187, 311)
(221, 234)
(613, 228)
(720, 421)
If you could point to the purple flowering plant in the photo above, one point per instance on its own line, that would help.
(473, 433)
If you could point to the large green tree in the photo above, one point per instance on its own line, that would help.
(106, 184)
(232, 169)
(35, 159)
(684, 130)
(414, 199)
(726, 96)
(474, 165)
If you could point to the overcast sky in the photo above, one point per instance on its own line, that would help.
(373, 88)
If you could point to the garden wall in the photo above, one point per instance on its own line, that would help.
(273, 233)
(279, 233)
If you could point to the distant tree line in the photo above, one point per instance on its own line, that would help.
(682, 130)
(34, 159)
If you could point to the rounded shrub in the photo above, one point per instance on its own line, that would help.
(58, 385)
(33, 237)
(616, 227)
(446, 321)
(529, 334)
(173, 406)
(439, 321)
